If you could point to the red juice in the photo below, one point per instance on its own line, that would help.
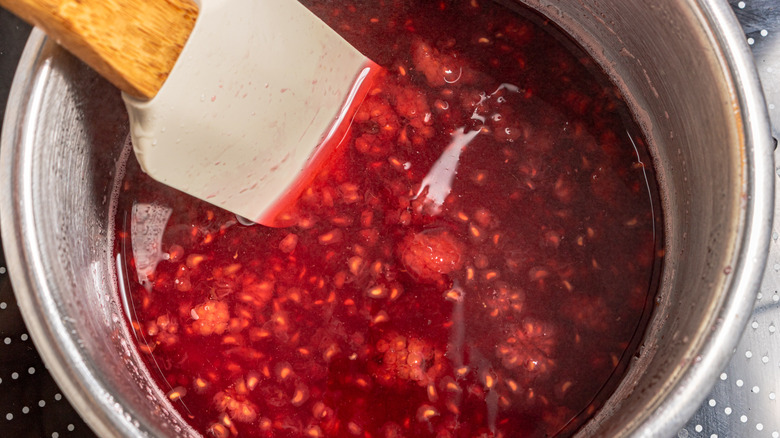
(479, 257)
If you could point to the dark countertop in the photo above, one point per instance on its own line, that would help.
(31, 404)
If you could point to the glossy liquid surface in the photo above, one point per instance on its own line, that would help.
(479, 258)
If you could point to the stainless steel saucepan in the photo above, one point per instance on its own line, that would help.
(682, 65)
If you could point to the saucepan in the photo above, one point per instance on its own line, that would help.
(682, 65)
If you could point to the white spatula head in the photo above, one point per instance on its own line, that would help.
(259, 87)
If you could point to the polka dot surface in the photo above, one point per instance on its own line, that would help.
(31, 404)
(745, 394)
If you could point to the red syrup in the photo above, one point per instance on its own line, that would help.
(325, 151)
(478, 258)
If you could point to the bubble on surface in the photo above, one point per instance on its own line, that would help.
(244, 221)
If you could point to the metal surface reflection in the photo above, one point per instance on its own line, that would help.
(744, 401)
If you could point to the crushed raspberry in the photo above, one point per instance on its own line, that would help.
(412, 105)
(237, 407)
(430, 254)
(439, 69)
(407, 360)
(530, 347)
(478, 259)
(210, 317)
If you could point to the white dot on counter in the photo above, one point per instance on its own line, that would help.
(698, 428)
(9, 416)
(751, 41)
(55, 435)
(41, 403)
(759, 426)
(7, 341)
(741, 5)
(748, 354)
(24, 337)
(25, 410)
(724, 376)
(754, 324)
(772, 396)
(714, 435)
(740, 383)
(727, 411)
(31, 371)
(743, 418)
(775, 435)
(2, 270)
(14, 375)
(712, 402)
(764, 32)
(765, 359)
(755, 390)
(3, 305)
(71, 428)
(58, 396)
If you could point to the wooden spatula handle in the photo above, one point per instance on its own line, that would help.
(132, 43)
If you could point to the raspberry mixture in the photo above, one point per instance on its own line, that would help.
(479, 258)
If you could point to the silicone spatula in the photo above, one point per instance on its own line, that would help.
(235, 102)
